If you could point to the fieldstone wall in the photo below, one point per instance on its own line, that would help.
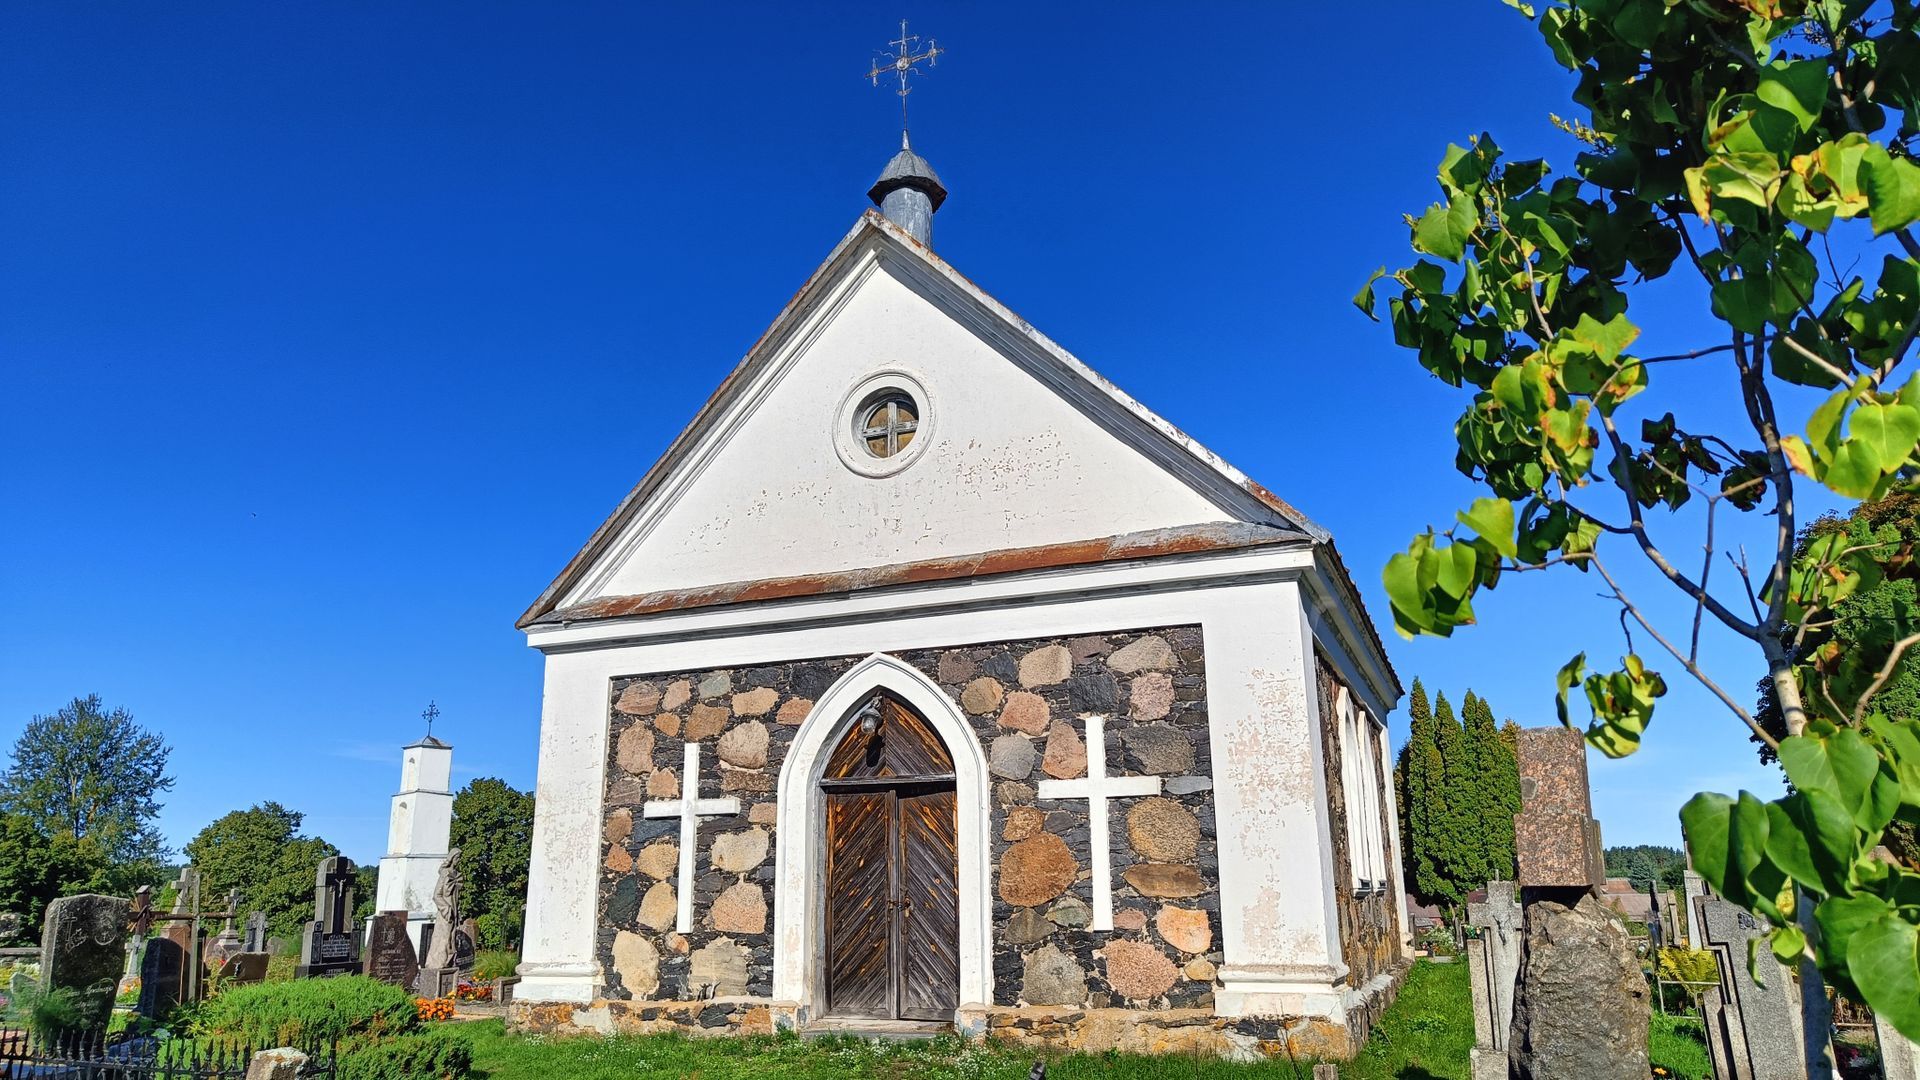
(1024, 701)
(1369, 925)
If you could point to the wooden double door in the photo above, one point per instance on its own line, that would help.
(892, 871)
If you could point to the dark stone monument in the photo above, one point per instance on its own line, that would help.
(255, 939)
(1581, 1007)
(328, 944)
(1753, 1028)
(390, 956)
(83, 948)
(162, 968)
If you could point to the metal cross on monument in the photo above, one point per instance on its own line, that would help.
(901, 62)
(689, 808)
(430, 714)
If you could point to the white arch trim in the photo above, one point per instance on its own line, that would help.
(799, 924)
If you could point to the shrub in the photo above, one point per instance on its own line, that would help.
(307, 1012)
(49, 1014)
(489, 932)
(494, 964)
(441, 1053)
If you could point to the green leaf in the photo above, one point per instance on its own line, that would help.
(1706, 820)
(1492, 520)
(1570, 673)
(1893, 189)
(1443, 230)
(1805, 760)
(1364, 298)
(1798, 87)
(1884, 959)
(1840, 918)
(1787, 846)
(1788, 943)
(1891, 431)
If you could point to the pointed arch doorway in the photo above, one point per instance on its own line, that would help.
(891, 845)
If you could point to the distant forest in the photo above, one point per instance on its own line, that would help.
(1643, 863)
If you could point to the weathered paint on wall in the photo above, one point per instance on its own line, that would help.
(1370, 926)
(1008, 460)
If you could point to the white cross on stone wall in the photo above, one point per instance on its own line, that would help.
(689, 808)
(1097, 787)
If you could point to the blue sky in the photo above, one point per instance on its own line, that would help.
(327, 334)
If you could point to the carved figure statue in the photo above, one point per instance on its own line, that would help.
(446, 912)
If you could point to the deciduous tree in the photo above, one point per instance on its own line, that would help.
(262, 853)
(493, 828)
(92, 774)
(1763, 148)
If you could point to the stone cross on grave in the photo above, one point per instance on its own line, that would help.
(689, 808)
(1097, 787)
(1493, 962)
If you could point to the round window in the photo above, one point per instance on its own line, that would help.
(883, 424)
(888, 423)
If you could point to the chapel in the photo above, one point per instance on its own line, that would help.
(929, 682)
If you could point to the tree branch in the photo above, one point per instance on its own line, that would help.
(1638, 527)
(1692, 668)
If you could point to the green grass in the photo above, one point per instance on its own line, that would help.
(1676, 1044)
(1425, 1035)
(1428, 1031)
(499, 1056)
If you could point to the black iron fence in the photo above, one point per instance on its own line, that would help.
(95, 1057)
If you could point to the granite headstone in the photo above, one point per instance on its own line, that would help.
(255, 939)
(243, 968)
(1756, 1022)
(390, 955)
(83, 948)
(162, 966)
(328, 944)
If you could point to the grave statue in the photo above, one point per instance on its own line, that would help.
(448, 950)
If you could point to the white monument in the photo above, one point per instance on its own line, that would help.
(418, 832)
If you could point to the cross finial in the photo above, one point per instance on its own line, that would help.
(901, 62)
(430, 714)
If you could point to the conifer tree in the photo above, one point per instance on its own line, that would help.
(1422, 778)
(1458, 825)
(1496, 794)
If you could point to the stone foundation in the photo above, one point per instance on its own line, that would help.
(1052, 1030)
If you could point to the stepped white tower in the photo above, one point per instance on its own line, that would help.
(418, 832)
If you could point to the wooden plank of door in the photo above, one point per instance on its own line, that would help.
(929, 918)
(859, 908)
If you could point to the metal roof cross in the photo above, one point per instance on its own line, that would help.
(430, 714)
(901, 62)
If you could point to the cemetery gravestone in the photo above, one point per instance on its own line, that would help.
(328, 945)
(82, 948)
(1493, 961)
(1899, 1055)
(390, 956)
(255, 939)
(1695, 887)
(1754, 1026)
(243, 968)
(1581, 1005)
(161, 968)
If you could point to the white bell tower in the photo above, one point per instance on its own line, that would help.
(418, 833)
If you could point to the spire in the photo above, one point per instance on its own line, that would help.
(908, 191)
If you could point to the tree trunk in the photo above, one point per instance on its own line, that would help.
(1816, 1012)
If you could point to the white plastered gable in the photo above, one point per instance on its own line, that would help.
(1021, 445)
